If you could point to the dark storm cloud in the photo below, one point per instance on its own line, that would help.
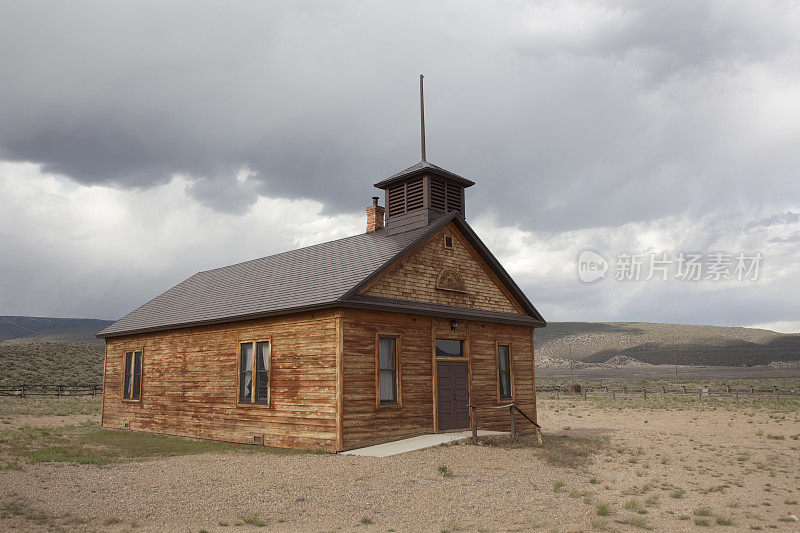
(546, 106)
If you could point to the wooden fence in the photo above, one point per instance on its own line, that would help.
(24, 390)
(586, 392)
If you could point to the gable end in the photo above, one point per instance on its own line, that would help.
(434, 273)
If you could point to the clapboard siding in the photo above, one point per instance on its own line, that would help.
(189, 382)
(365, 423)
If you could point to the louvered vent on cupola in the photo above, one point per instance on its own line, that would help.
(405, 197)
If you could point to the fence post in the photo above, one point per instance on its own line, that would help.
(684, 389)
(644, 390)
(751, 389)
(663, 390)
(22, 391)
(513, 423)
(624, 389)
(94, 390)
(729, 389)
(59, 389)
(474, 423)
(557, 389)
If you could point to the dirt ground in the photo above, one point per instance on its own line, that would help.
(731, 468)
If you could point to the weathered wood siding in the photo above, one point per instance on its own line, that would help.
(414, 277)
(364, 422)
(189, 382)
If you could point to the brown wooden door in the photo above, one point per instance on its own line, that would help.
(453, 394)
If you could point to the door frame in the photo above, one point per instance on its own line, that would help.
(463, 336)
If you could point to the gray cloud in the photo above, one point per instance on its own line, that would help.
(776, 220)
(547, 109)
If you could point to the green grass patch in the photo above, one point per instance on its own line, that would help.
(89, 444)
(45, 406)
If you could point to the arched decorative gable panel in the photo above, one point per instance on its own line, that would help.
(450, 280)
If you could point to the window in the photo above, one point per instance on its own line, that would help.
(133, 375)
(448, 241)
(504, 371)
(254, 361)
(387, 370)
(449, 348)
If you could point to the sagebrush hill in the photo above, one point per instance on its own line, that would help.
(44, 350)
(658, 344)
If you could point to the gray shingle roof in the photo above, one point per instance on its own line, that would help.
(302, 278)
(323, 275)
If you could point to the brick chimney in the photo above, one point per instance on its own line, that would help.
(375, 215)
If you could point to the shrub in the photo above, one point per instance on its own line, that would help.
(603, 509)
(252, 518)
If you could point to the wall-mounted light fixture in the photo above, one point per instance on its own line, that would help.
(453, 324)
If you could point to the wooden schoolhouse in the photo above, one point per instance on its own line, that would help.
(387, 334)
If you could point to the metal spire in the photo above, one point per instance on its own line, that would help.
(422, 117)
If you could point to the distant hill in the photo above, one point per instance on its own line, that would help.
(51, 363)
(65, 350)
(24, 329)
(597, 342)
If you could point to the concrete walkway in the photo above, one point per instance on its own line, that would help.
(417, 443)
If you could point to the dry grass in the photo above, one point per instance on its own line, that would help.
(608, 473)
(557, 450)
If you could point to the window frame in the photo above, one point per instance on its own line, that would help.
(464, 348)
(253, 402)
(500, 398)
(133, 352)
(398, 403)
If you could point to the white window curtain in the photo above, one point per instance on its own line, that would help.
(387, 377)
(246, 373)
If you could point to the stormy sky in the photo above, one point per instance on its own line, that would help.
(141, 142)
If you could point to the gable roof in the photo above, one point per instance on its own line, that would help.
(324, 275)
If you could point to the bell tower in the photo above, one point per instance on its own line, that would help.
(422, 193)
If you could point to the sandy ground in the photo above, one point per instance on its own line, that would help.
(735, 463)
